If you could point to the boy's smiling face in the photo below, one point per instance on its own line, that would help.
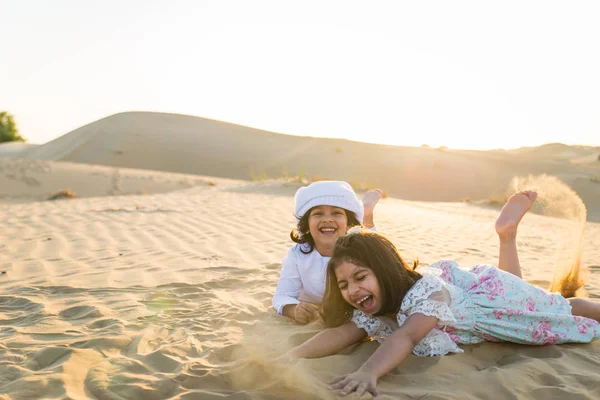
(326, 224)
(359, 287)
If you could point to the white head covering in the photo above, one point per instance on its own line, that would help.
(327, 193)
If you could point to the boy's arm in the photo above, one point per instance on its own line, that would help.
(330, 341)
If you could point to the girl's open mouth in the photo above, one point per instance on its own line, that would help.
(328, 231)
(365, 303)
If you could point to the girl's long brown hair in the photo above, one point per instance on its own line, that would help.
(374, 251)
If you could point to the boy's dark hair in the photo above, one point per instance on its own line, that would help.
(374, 251)
(302, 236)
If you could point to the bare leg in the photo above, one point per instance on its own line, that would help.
(506, 227)
(585, 308)
(370, 200)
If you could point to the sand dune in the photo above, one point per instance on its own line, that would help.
(156, 281)
(15, 148)
(23, 179)
(186, 144)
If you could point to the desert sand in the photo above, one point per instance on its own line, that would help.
(156, 281)
(193, 145)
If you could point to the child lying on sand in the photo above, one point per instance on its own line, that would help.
(371, 291)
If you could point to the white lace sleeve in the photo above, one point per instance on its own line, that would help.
(430, 297)
(436, 343)
(436, 305)
(374, 327)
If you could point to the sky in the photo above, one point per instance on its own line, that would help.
(461, 74)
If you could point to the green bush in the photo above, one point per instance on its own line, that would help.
(8, 129)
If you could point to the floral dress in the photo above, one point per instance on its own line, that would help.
(480, 304)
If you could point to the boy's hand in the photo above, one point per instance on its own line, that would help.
(358, 382)
(306, 312)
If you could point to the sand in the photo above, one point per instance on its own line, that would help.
(23, 179)
(16, 148)
(193, 145)
(162, 290)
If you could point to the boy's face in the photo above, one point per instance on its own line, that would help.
(326, 224)
(359, 287)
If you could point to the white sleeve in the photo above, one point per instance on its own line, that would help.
(429, 297)
(436, 304)
(373, 326)
(289, 284)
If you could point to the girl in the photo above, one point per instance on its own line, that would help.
(372, 292)
(324, 211)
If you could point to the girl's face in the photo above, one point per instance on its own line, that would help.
(359, 287)
(326, 224)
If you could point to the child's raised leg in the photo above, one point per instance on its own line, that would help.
(370, 200)
(506, 227)
(585, 308)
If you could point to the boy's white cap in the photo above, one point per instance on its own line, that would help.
(327, 193)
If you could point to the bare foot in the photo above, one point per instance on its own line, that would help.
(370, 200)
(513, 211)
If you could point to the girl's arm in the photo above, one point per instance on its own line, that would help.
(390, 354)
(288, 286)
(330, 341)
(400, 344)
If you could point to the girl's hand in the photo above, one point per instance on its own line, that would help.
(358, 382)
(305, 312)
